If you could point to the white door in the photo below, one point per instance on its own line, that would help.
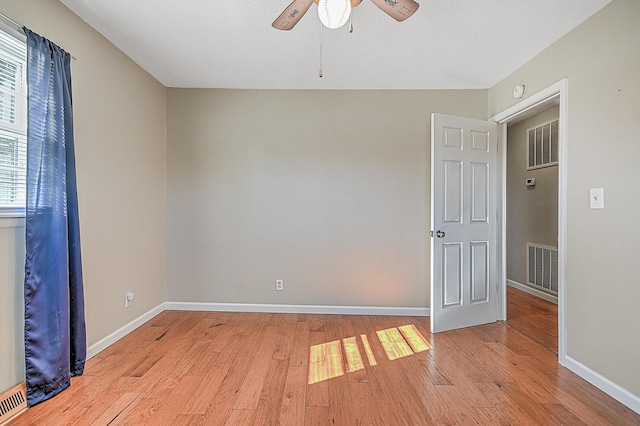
(464, 288)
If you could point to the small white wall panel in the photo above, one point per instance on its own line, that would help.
(452, 192)
(479, 192)
(479, 271)
(479, 141)
(452, 274)
(452, 138)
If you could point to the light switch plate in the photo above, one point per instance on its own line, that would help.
(596, 198)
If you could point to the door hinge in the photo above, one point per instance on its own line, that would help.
(431, 234)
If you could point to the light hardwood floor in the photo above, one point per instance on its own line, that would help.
(204, 368)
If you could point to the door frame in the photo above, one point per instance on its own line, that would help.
(558, 90)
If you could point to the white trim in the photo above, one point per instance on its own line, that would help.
(11, 222)
(605, 385)
(531, 102)
(298, 309)
(533, 291)
(14, 29)
(104, 343)
(562, 218)
(502, 223)
(561, 90)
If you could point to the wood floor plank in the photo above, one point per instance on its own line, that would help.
(139, 412)
(317, 416)
(284, 343)
(269, 406)
(293, 400)
(503, 410)
(217, 368)
(531, 408)
(252, 386)
(433, 372)
(563, 415)
(113, 410)
(175, 401)
(221, 402)
(434, 405)
(142, 366)
(300, 351)
(206, 388)
(241, 418)
(364, 411)
(189, 420)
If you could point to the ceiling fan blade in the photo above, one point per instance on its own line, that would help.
(397, 9)
(354, 3)
(292, 14)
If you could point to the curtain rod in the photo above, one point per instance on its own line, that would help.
(19, 25)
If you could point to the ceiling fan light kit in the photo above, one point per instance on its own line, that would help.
(334, 13)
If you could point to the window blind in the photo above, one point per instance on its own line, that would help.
(13, 123)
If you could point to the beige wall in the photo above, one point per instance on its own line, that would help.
(532, 212)
(601, 60)
(119, 116)
(327, 190)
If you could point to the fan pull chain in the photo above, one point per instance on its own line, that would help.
(350, 24)
(320, 73)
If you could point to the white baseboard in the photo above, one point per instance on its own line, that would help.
(607, 386)
(298, 309)
(104, 343)
(533, 291)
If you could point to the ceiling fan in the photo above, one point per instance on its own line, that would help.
(397, 9)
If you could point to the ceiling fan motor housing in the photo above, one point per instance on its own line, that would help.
(334, 13)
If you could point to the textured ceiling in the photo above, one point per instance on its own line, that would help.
(460, 44)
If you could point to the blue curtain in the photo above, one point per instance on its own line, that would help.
(54, 329)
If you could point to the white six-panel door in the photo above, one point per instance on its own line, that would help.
(463, 222)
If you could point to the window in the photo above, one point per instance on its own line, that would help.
(543, 145)
(13, 123)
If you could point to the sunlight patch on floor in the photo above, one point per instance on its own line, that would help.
(354, 360)
(326, 360)
(367, 350)
(414, 338)
(393, 343)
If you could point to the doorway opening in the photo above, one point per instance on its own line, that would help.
(532, 224)
(514, 262)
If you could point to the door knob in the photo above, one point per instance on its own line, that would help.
(440, 234)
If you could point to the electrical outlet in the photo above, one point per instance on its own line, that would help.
(279, 285)
(128, 298)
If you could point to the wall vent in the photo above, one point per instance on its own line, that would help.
(12, 403)
(542, 268)
(543, 145)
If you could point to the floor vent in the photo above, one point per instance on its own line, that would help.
(12, 403)
(542, 267)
